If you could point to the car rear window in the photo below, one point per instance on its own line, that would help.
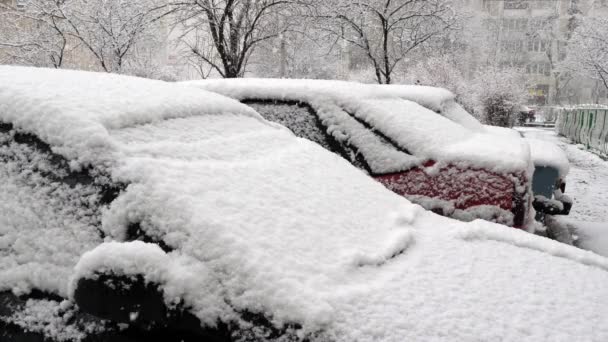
(353, 139)
(298, 117)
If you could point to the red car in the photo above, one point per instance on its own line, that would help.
(416, 141)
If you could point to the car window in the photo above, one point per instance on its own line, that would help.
(298, 117)
(357, 142)
(49, 215)
(302, 120)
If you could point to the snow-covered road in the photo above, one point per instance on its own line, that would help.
(587, 184)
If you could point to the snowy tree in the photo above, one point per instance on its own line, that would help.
(587, 52)
(301, 52)
(447, 72)
(225, 33)
(500, 93)
(33, 35)
(387, 31)
(111, 31)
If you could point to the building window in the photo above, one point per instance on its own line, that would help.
(515, 24)
(541, 69)
(515, 4)
(562, 47)
(538, 45)
(539, 94)
(544, 4)
(512, 45)
(20, 3)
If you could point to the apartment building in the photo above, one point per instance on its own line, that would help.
(532, 35)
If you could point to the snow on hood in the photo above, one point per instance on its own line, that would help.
(278, 225)
(456, 137)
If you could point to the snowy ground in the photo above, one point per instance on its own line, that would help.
(587, 184)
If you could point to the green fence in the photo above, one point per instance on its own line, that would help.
(587, 126)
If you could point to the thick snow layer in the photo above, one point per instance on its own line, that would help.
(392, 110)
(361, 268)
(408, 124)
(74, 116)
(430, 97)
(368, 267)
(592, 236)
(271, 224)
(546, 153)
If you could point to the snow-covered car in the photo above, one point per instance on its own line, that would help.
(415, 140)
(248, 233)
(551, 167)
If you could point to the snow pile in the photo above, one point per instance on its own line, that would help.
(511, 237)
(592, 236)
(449, 289)
(265, 223)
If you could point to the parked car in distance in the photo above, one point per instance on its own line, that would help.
(551, 168)
(138, 210)
(417, 141)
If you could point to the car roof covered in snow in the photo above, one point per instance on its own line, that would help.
(263, 222)
(430, 97)
(439, 100)
(398, 112)
(73, 110)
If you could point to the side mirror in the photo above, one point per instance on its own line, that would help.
(125, 283)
